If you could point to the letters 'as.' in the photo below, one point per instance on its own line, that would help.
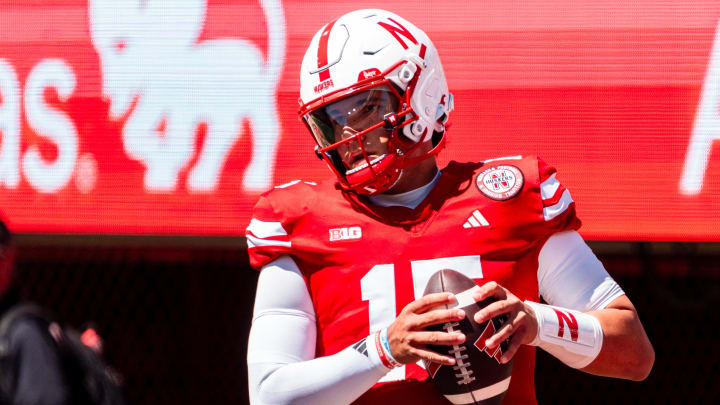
(51, 124)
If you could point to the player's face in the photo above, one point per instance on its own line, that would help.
(345, 118)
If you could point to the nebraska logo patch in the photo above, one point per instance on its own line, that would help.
(500, 182)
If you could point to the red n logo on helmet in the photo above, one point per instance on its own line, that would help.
(399, 30)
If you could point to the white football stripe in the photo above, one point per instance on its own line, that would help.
(422, 270)
(481, 394)
(480, 218)
(255, 242)
(473, 221)
(464, 298)
(549, 187)
(557, 209)
(263, 229)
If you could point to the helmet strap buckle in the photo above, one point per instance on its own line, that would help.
(407, 72)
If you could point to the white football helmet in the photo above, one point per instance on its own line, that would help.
(372, 90)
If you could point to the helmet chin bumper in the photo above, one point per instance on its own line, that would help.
(376, 178)
(382, 175)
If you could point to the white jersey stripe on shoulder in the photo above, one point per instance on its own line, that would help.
(255, 242)
(557, 209)
(288, 184)
(549, 187)
(481, 394)
(265, 229)
(516, 157)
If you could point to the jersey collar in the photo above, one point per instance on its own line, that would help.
(410, 199)
(449, 182)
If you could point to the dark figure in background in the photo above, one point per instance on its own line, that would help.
(30, 368)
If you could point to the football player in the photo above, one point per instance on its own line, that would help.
(339, 316)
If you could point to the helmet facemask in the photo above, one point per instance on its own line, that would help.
(358, 133)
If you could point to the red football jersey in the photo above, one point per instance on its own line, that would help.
(363, 263)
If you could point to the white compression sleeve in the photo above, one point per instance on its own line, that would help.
(281, 349)
(573, 281)
(571, 276)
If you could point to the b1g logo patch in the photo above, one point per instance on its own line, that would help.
(346, 233)
(500, 182)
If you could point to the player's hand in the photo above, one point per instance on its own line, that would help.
(407, 337)
(520, 326)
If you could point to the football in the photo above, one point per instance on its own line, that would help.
(477, 377)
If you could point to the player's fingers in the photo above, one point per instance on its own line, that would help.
(438, 316)
(436, 338)
(513, 347)
(505, 332)
(494, 309)
(432, 356)
(489, 289)
(424, 303)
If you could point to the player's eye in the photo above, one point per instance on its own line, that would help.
(370, 108)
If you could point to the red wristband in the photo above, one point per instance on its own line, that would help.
(381, 352)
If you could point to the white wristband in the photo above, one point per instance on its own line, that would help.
(574, 337)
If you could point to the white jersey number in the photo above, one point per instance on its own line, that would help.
(378, 288)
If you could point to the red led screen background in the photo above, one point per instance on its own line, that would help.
(125, 117)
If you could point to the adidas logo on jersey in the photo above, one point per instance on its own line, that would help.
(476, 220)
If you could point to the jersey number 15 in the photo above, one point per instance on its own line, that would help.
(378, 288)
